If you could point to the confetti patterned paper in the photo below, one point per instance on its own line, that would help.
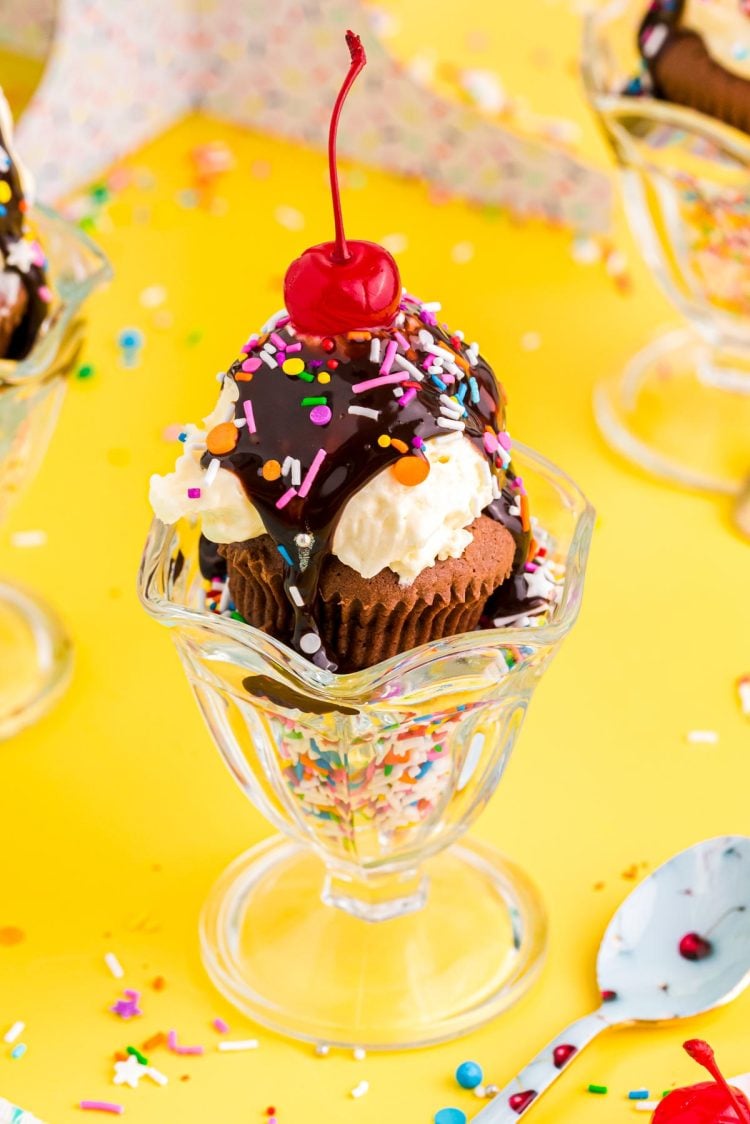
(119, 74)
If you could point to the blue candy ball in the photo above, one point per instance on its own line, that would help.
(469, 1075)
(450, 1116)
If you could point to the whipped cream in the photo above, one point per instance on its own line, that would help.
(385, 524)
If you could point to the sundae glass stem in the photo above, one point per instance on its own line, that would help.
(726, 365)
(376, 896)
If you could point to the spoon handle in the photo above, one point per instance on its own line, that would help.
(527, 1087)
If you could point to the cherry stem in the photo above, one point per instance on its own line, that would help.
(356, 50)
(702, 1053)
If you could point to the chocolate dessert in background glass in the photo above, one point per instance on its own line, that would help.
(47, 270)
(670, 84)
(365, 582)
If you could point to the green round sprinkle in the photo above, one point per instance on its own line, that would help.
(314, 401)
(599, 1089)
(100, 192)
(85, 371)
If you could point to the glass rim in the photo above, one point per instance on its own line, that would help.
(660, 112)
(39, 361)
(349, 686)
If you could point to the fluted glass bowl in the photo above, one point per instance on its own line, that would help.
(35, 653)
(681, 407)
(366, 922)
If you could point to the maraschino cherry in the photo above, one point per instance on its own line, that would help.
(709, 1102)
(341, 286)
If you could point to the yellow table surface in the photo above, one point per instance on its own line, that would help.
(117, 812)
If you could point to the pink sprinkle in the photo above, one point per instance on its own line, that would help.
(312, 472)
(320, 415)
(173, 1046)
(417, 442)
(45, 293)
(251, 364)
(292, 347)
(221, 1026)
(490, 442)
(248, 347)
(428, 361)
(249, 415)
(194, 493)
(277, 341)
(390, 355)
(407, 397)
(282, 323)
(102, 1106)
(530, 568)
(289, 494)
(382, 380)
(504, 440)
(402, 340)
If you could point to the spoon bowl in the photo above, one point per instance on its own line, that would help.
(678, 946)
(703, 892)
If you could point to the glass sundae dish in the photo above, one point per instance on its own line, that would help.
(681, 406)
(364, 587)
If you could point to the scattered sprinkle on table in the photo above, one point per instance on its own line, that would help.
(322, 1050)
(743, 694)
(14, 1032)
(359, 1054)
(102, 1106)
(638, 1095)
(238, 1044)
(220, 1026)
(361, 1089)
(450, 1116)
(600, 1090)
(28, 538)
(469, 1075)
(18, 1051)
(703, 737)
(114, 965)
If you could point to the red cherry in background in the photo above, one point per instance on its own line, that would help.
(341, 286)
(709, 1102)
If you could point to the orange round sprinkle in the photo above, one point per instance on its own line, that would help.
(10, 935)
(271, 470)
(411, 470)
(324, 377)
(222, 438)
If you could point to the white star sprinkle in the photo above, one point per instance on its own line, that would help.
(21, 255)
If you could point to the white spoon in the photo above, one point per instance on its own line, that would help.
(679, 945)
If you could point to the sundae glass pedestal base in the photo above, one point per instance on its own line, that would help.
(680, 415)
(35, 659)
(401, 961)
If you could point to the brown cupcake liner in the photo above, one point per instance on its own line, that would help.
(363, 621)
